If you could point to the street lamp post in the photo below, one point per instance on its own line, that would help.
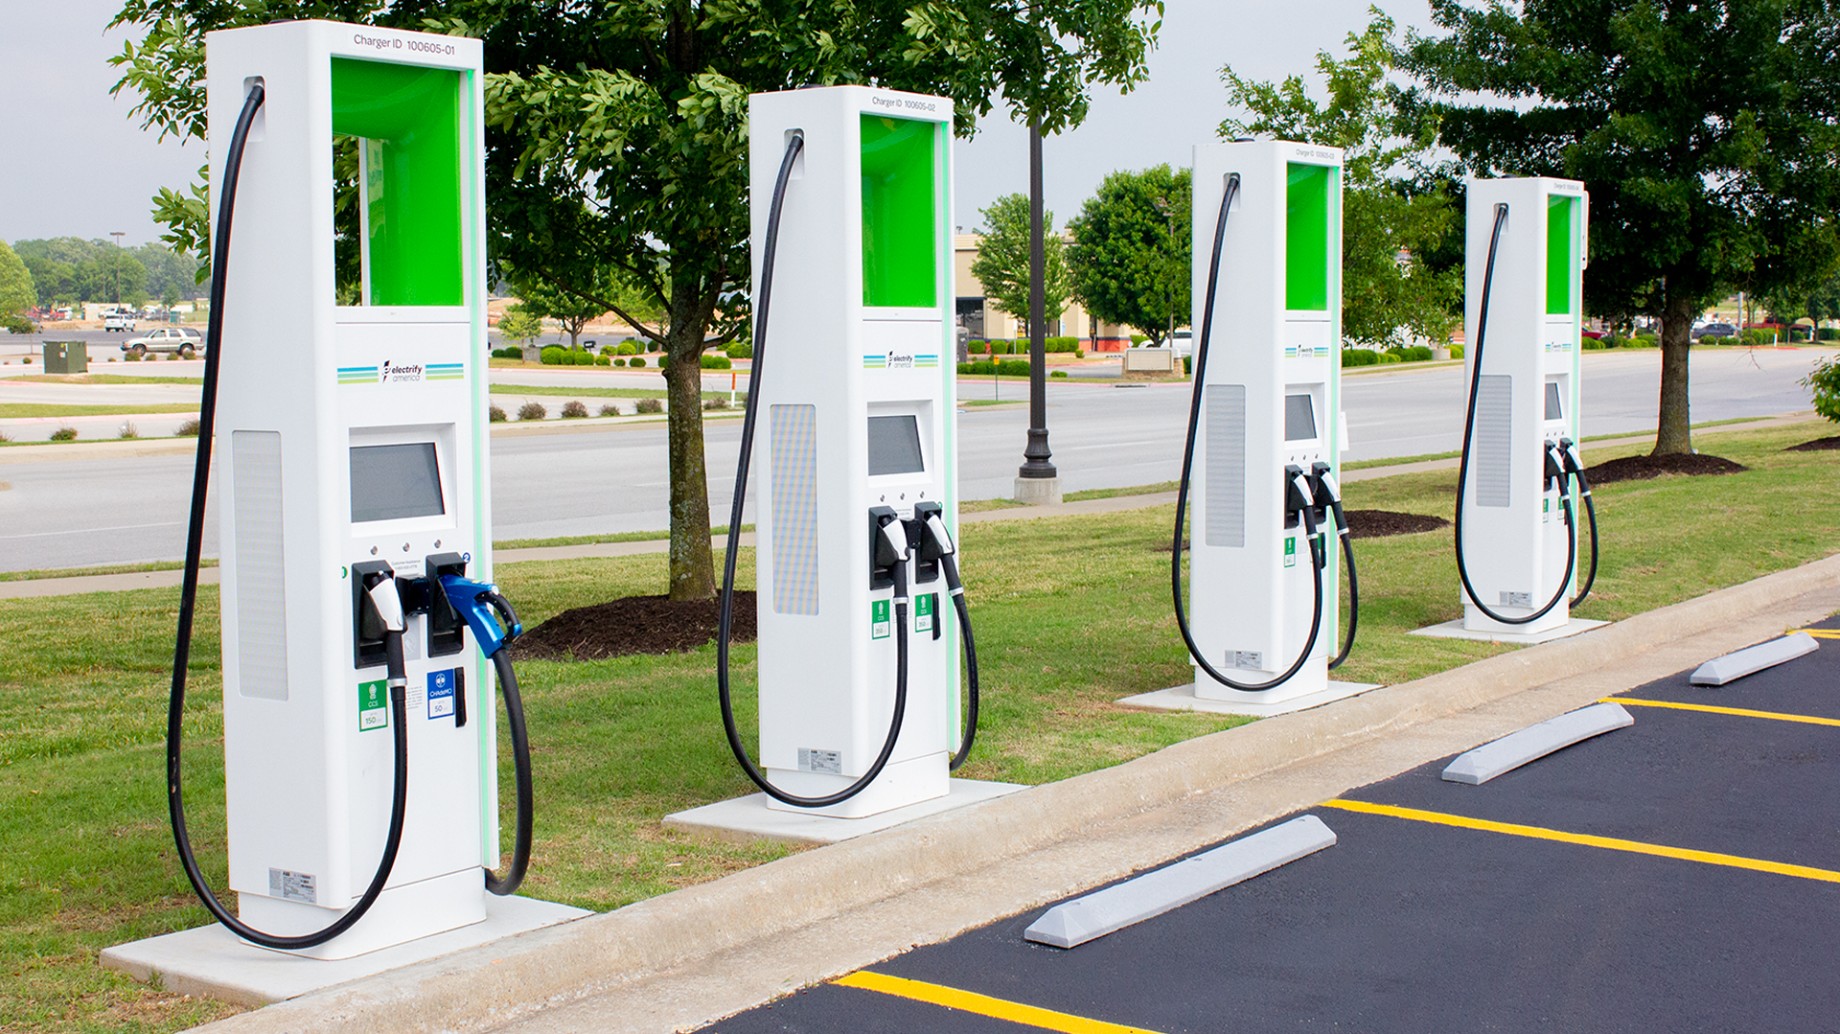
(1037, 480)
(118, 235)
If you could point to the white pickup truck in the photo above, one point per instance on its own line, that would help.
(117, 320)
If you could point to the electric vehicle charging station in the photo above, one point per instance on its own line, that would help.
(860, 614)
(1268, 540)
(354, 515)
(1521, 492)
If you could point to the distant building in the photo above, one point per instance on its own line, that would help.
(986, 322)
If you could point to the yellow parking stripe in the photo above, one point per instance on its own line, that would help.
(1818, 633)
(1739, 712)
(983, 1005)
(1608, 843)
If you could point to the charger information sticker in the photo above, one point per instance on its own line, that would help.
(880, 625)
(1290, 551)
(293, 886)
(441, 693)
(923, 613)
(373, 705)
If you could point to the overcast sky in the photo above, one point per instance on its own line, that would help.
(78, 165)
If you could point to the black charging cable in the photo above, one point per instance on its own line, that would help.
(1188, 465)
(1469, 431)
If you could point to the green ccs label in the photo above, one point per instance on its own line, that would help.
(880, 625)
(923, 612)
(373, 705)
(1290, 551)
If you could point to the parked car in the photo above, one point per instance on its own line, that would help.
(1714, 330)
(184, 341)
(119, 319)
(1183, 341)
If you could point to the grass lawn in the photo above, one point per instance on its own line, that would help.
(589, 391)
(87, 858)
(106, 378)
(35, 409)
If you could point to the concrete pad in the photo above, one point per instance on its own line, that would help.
(1183, 698)
(1484, 763)
(749, 817)
(211, 960)
(1753, 659)
(1073, 923)
(1455, 630)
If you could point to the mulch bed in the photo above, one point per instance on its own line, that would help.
(633, 625)
(1373, 524)
(1641, 468)
(1818, 445)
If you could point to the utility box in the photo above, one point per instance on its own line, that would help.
(861, 416)
(1271, 400)
(1515, 542)
(66, 357)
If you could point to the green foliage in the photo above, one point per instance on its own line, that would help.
(1387, 357)
(1357, 356)
(16, 291)
(1690, 123)
(520, 323)
(976, 346)
(1057, 373)
(648, 407)
(1130, 251)
(609, 409)
(636, 361)
(603, 359)
(1000, 367)
(1824, 382)
(626, 347)
(1456, 351)
(573, 410)
(532, 411)
(64, 434)
(740, 350)
(554, 355)
(1061, 344)
(716, 362)
(1395, 218)
(1002, 263)
(495, 414)
(67, 270)
(1411, 353)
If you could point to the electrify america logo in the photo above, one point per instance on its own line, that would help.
(407, 374)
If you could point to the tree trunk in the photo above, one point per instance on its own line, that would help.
(692, 563)
(1674, 429)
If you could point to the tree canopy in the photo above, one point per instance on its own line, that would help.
(1130, 251)
(616, 134)
(1704, 132)
(16, 291)
(1002, 263)
(1396, 214)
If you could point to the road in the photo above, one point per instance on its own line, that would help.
(102, 507)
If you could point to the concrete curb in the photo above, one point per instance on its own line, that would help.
(518, 980)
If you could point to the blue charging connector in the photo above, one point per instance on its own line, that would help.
(483, 607)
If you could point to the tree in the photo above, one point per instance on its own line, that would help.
(616, 135)
(520, 324)
(1002, 263)
(16, 291)
(1130, 252)
(1693, 124)
(1396, 215)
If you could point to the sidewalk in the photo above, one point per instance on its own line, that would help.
(43, 587)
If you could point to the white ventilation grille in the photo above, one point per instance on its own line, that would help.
(794, 431)
(1226, 465)
(261, 575)
(1492, 464)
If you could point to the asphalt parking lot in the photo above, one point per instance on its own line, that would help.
(1680, 874)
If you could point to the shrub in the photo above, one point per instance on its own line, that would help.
(1057, 373)
(715, 403)
(1592, 344)
(189, 429)
(619, 360)
(1138, 339)
(532, 411)
(64, 434)
(4, 438)
(1824, 334)
(1359, 357)
(1708, 339)
(609, 409)
(649, 406)
(1079, 353)
(1188, 366)
(716, 362)
(603, 360)
(1061, 344)
(977, 346)
(573, 410)
(173, 357)
(128, 430)
(1456, 351)
(626, 347)
(580, 357)
(495, 414)
(1824, 381)
(740, 350)
(553, 355)
(636, 361)
(1000, 367)
(1386, 357)
(126, 356)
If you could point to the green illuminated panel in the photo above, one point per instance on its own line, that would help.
(1309, 217)
(409, 121)
(1561, 254)
(900, 230)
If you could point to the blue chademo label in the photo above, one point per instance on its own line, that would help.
(441, 693)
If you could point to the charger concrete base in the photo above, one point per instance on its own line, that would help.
(1455, 630)
(211, 960)
(749, 817)
(1183, 698)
